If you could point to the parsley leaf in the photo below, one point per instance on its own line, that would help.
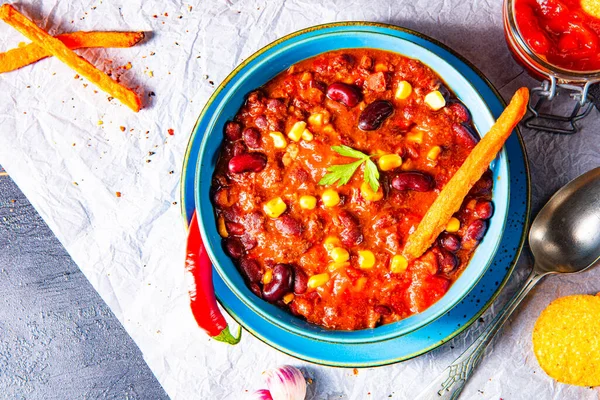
(344, 172)
(371, 175)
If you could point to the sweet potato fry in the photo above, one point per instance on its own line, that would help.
(453, 194)
(32, 52)
(63, 53)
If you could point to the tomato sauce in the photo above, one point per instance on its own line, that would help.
(331, 253)
(561, 32)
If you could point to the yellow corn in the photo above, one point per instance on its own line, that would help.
(319, 119)
(307, 76)
(360, 284)
(307, 135)
(308, 202)
(221, 227)
(330, 198)
(389, 162)
(398, 264)
(403, 90)
(435, 100)
(318, 280)
(274, 207)
(368, 193)
(296, 132)
(335, 266)
(453, 225)
(434, 152)
(339, 255)
(278, 140)
(330, 243)
(415, 137)
(287, 299)
(329, 129)
(366, 259)
(379, 67)
(267, 277)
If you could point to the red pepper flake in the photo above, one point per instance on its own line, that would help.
(355, 371)
(166, 14)
(127, 66)
(118, 194)
(155, 16)
(76, 76)
(171, 132)
(122, 128)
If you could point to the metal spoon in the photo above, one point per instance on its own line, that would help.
(564, 239)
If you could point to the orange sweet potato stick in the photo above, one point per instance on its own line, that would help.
(57, 48)
(32, 52)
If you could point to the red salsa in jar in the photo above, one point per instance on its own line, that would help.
(324, 173)
(564, 32)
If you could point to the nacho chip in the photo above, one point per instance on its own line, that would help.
(566, 340)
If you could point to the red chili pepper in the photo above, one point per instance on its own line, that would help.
(202, 294)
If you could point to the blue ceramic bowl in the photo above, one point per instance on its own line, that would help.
(277, 57)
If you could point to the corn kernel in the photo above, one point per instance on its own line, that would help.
(221, 227)
(267, 277)
(435, 100)
(453, 225)
(389, 162)
(368, 193)
(330, 198)
(380, 67)
(366, 259)
(316, 119)
(308, 202)
(307, 135)
(287, 299)
(296, 132)
(360, 284)
(318, 280)
(335, 266)
(339, 255)
(307, 76)
(415, 137)
(274, 207)
(403, 90)
(398, 264)
(278, 140)
(330, 243)
(329, 129)
(434, 152)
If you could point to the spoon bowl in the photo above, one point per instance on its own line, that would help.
(565, 236)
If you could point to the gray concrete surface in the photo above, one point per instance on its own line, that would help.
(58, 339)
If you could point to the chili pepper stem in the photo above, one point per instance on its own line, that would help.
(226, 336)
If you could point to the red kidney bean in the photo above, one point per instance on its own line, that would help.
(251, 270)
(348, 95)
(233, 131)
(318, 85)
(374, 114)
(261, 122)
(382, 310)
(288, 226)
(249, 162)
(252, 138)
(234, 228)
(445, 92)
(283, 279)
(276, 106)
(461, 112)
(464, 135)
(249, 242)
(233, 246)
(255, 288)
(300, 281)
(385, 220)
(275, 123)
(449, 241)
(255, 96)
(484, 185)
(483, 209)
(474, 233)
(254, 222)
(239, 148)
(416, 181)
(447, 262)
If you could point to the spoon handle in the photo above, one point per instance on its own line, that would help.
(449, 384)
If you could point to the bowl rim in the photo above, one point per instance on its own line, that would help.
(361, 25)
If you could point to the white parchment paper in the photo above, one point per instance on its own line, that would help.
(62, 142)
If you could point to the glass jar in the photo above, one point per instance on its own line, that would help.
(554, 79)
